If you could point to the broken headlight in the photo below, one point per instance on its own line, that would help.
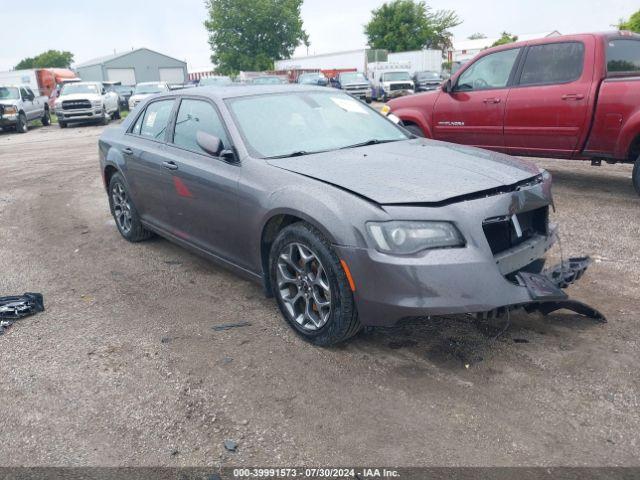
(407, 237)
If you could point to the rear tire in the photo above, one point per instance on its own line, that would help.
(104, 119)
(62, 124)
(22, 125)
(308, 279)
(415, 130)
(635, 176)
(116, 114)
(124, 211)
(46, 118)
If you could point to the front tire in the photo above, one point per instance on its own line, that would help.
(104, 119)
(124, 212)
(311, 288)
(46, 118)
(635, 176)
(22, 125)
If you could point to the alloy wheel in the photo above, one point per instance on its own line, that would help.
(121, 208)
(303, 286)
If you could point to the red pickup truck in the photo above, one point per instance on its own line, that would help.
(573, 96)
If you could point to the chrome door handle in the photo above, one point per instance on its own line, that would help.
(170, 165)
(492, 100)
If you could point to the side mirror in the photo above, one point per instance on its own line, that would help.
(448, 86)
(209, 143)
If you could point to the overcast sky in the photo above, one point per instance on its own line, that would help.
(92, 29)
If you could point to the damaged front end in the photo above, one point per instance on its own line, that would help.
(546, 289)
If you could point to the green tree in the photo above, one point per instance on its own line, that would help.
(402, 25)
(476, 36)
(632, 24)
(505, 38)
(250, 34)
(48, 59)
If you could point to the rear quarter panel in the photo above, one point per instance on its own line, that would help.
(616, 121)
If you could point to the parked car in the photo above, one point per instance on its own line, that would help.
(354, 83)
(574, 96)
(219, 81)
(125, 92)
(426, 81)
(19, 106)
(343, 216)
(267, 80)
(391, 84)
(42, 81)
(86, 102)
(313, 78)
(144, 90)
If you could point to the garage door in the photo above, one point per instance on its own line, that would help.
(172, 75)
(127, 76)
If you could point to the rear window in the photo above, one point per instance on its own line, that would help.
(623, 56)
(553, 63)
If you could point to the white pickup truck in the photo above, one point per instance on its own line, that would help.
(19, 106)
(86, 102)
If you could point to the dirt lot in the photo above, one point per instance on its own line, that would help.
(124, 367)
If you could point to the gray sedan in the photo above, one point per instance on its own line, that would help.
(342, 215)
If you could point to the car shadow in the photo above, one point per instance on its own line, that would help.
(457, 342)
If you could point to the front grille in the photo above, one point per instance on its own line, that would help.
(356, 87)
(401, 86)
(76, 104)
(501, 232)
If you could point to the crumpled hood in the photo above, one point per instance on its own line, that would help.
(412, 171)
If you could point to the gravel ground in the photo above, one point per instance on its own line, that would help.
(124, 367)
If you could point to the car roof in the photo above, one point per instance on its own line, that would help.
(232, 91)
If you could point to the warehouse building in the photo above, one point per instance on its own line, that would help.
(140, 65)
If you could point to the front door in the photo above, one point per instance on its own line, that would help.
(547, 108)
(473, 113)
(203, 200)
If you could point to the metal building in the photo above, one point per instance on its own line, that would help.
(135, 66)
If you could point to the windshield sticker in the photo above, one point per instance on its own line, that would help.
(349, 105)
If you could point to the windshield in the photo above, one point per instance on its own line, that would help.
(395, 76)
(71, 88)
(312, 78)
(215, 81)
(428, 76)
(9, 93)
(306, 122)
(148, 89)
(354, 77)
(267, 81)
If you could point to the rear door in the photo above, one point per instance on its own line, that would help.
(473, 113)
(203, 200)
(146, 168)
(547, 108)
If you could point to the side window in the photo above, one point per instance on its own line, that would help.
(138, 125)
(24, 94)
(553, 63)
(156, 119)
(197, 116)
(623, 56)
(489, 72)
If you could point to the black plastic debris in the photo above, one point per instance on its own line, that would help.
(16, 307)
(569, 271)
(227, 326)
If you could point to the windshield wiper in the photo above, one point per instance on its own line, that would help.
(373, 141)
(297, 153)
